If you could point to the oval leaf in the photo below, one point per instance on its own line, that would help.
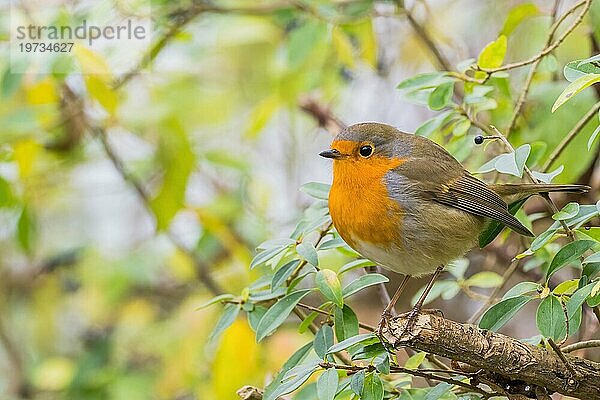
(308, 252)
(500, 313)
(328, 283)
(327, 384)
(575, 87)
(571, 252)
(278, 313)
(363, 282)
(550, 318)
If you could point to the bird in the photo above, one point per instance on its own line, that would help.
(404, 202)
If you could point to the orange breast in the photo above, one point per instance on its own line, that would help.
(359, 203)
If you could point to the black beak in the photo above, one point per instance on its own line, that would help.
(331, 153)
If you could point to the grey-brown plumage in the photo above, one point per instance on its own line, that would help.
(443, 207)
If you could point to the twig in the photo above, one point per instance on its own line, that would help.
(562, 357)
(505, 277)
(17, 383)
(549, 48)
(201, 268)
(425, 37)
(366, 327)
(322, 233)
(402, 370)
(571, 135)
(581, 345)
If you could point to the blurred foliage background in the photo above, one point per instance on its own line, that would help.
(126, 201)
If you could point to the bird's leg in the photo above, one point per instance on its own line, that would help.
(411, 316)
(387, 312)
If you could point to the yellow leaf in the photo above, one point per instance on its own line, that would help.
(91, 62)
(493, 54)
(54, 374)
(43, 91)
(182, 267)
(517, 15)
(100, 90)
(261, 114)
(26, 152)
(545, 292)
(237, 343)
(343, 46)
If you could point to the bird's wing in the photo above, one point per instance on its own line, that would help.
(446, 184)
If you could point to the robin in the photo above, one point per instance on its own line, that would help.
(404, 202)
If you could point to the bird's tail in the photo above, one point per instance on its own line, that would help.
(517, 191)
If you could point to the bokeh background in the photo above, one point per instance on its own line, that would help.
(120, 205)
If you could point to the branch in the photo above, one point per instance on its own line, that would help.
(581, 345)
(497, 355)
(202, 269)
(549, 47)
(571, 135)
(321, 114)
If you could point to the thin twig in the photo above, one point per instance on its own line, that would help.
(570, 136)
(548, 49)
(201, 268)
(562, 357)
(366, 327)
(588, 344)
(505, 277)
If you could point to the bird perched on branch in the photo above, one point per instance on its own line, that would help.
(405, 203)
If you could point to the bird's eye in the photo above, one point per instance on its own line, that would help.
(366, 150)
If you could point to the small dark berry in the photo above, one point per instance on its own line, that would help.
(478, 139)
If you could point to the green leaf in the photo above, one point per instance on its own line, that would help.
(567, 212)
(327, 384)
(522, 288)
(447, 289)
(323, 340)
(284, 272)
(574, 304)
(574, 88)
(229, 315)
(365, 337)
(508, 163)
(267, 255)
(548, 177)
(494, 227)
(217, 299)
(255, 316)
(438, 391)
(293, 361)
(500, 313)
(569, 253)
(441, 96)
(372, 387)
(458, 267)
(357, 382)
(292, 380)
(566, 287)
(308, 252)
(278, 313)
(593, 137)
(307, 321)
(550, 318)
(484, 279)
(328, 283)
(578, 68)
(594, 258)
(461, 127)
(415, 360)
(363, 282)
(177, 160)
(360, 263)
(26, 230)
(316, 190)
(427, 80)
(433, 124)
(516, 15)
(346, 323)
(303, 40)
(493, 54)
(332, 244)
(544, 237)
